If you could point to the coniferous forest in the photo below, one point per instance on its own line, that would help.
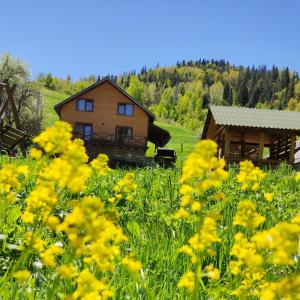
(182, 92)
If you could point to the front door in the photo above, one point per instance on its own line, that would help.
(123, 135)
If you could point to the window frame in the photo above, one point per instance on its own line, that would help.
(125, 104)
(117, 135)
(85, 102)
(83, 125)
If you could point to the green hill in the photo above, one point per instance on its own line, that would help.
(51, 98)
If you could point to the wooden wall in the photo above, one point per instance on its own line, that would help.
(104, 118)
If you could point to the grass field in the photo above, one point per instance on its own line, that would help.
(234, 249)
(51, 98)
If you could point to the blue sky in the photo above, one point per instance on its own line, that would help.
(100, 37)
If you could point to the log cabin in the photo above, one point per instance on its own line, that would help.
(260, 135)
(111, 121)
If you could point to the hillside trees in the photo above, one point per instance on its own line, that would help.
(182, 91)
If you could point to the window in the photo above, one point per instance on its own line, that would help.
(85, 105)
(123, 135)
(85, 131)
(125, 109)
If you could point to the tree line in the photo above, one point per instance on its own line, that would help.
(183, 91)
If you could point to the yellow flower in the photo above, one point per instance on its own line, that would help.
(268, 196)
(22, 275)
(91, 234)
(124, 188)
(187, 281)
(187, 250)
(100, 164)
(206, 235)
(245, 252)
(182, 213)
(67, 271)
(212, 272)
(35, 153)
(133, 265)
(249, 176)
(286, 288)
(89, 287)
(48, 256)
(196, 206)
(247, 216)
(282, 240)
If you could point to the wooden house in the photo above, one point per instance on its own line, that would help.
(259, 135)
(111, 121)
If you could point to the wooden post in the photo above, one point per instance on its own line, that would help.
(261, 146)
(292, 149)
(10, 92)
(227, 144)
(243, 146)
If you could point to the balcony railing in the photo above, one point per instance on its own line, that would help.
(113, 140)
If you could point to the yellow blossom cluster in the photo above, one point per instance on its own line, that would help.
(39, 204)
(124, 188)
(91, 234)
(246, 254)
(89, 287)
(100, 164)
(247, 216)
(201, 171)
(131, 264)
(250, 176)
(10, 180)
(282, 240)
(92, 237)
(286, 288)
(22, 275)
(187, 281)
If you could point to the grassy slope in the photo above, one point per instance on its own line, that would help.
(182, 139)
(51, 98)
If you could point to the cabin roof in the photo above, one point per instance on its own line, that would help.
(252, 117)
(58, 106)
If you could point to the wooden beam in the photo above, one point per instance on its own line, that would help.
(261, 146)
(10, 92)
(292, 149)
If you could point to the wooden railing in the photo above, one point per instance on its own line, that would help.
(111, 140)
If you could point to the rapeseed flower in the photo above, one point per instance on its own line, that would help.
(22, 275)
(268, 196)
(247, 216)
(282, 240)
(100, 164)
(89, 287)
(124, 188)
(132, 264)
(187, 281)
(250, 176)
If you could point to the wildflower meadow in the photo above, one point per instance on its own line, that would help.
(75, 229)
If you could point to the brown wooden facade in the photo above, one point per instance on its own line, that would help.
(258, 144)
(105, 125)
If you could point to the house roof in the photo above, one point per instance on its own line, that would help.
(96, 84)
(251, 117)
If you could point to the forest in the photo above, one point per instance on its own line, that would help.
(182, 92)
